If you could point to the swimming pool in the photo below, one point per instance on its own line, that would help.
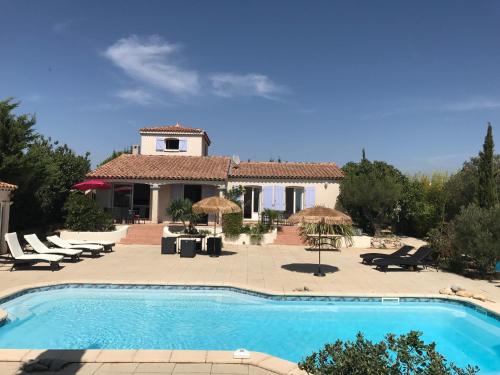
(156, 317)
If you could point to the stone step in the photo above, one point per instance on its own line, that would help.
(143, 234)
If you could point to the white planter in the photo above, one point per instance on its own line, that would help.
(244, 239)
(115, 236)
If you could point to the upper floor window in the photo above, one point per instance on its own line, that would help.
(171, 144)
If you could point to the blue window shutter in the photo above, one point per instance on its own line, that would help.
(183, 144)
(267, 199)
(310, 196)
(279, 198)
(160, 144)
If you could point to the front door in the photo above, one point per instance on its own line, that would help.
(251, 203)
(294, 197)
(193, 193)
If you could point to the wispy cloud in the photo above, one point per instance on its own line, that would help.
(137, 96)
(61, 27)
(471, 105)
(229, 85)
(150, 61)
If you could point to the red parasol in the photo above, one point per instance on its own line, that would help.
(92, 184)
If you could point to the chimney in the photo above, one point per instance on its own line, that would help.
(136, 149)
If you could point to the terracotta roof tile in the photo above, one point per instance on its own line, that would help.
(162, 167)
(6, 186)
(175, 129)
(287, 170)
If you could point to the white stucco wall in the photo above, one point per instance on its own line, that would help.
(326, 192)
(196, 145)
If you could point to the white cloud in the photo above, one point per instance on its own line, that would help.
(150, 61)
(61, 27)
(253, 84)
(137, 96)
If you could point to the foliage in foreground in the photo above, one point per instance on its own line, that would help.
(232, 224)
(182, 210)
(83, 214)
(395, 355)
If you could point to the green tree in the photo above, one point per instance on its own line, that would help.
(487, 189)
(84, 214)
(16, 134)
(395, 355)
(114, 155)
(232, 223)
(182, 210)
(370, 192)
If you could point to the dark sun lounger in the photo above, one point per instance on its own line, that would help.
(402, 251)
(409, 262)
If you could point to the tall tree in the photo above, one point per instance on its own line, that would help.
(486, 193)
(16, 134)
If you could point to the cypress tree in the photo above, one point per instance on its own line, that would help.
(486, 192)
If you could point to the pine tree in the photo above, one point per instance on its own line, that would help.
(486, 192)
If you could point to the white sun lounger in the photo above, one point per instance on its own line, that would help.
(21, 258)
(59, 242)
(108, 245)
(39, 247)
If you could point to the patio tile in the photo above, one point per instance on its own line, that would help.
(229, 368)
(155, 368)
(188, 356)
(16, 355)
(254, 370)
(221, 356)
(80, 369)
(116, 368)
(9, 368)
(194, 368)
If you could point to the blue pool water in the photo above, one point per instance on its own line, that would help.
(93, 318)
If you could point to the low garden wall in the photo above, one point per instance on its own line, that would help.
(115, 236)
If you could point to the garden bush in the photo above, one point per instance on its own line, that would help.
(403, 355)
(471, 242)
(83, 214)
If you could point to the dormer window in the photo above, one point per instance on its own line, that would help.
(172, 144)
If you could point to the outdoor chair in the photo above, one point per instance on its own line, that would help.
(188, 248)
(411, 262)
(368, 258)
(108, 245)
(20, 258)
(91, 248)
(169, 245)
(40, 248)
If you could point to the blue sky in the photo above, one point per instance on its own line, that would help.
(413, 82)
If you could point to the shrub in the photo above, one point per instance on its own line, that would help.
(471, 242)
(345, 231)
(85, 215)
(182, 210)
(406, 354)
(232, 224)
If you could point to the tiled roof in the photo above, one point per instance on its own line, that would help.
(6, 186)
(298, 171)
(162, 167)
(175, 129)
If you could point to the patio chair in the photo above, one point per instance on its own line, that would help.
(20, 257)
(108, 245)
(408, 262)
(368, 258)
(59, 242)
(40, 248)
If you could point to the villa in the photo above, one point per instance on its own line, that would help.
(173, 162)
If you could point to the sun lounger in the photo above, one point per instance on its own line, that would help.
(21, 258)
(59, 242)
(108, 245)
(368, 258)
(408, 262)
(40, 248)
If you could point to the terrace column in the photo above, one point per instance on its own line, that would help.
(154, 204)
(4, 220)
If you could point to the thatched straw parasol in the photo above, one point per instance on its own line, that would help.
(217, 206)
(320, 215)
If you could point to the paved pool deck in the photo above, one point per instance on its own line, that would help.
(269, 269)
